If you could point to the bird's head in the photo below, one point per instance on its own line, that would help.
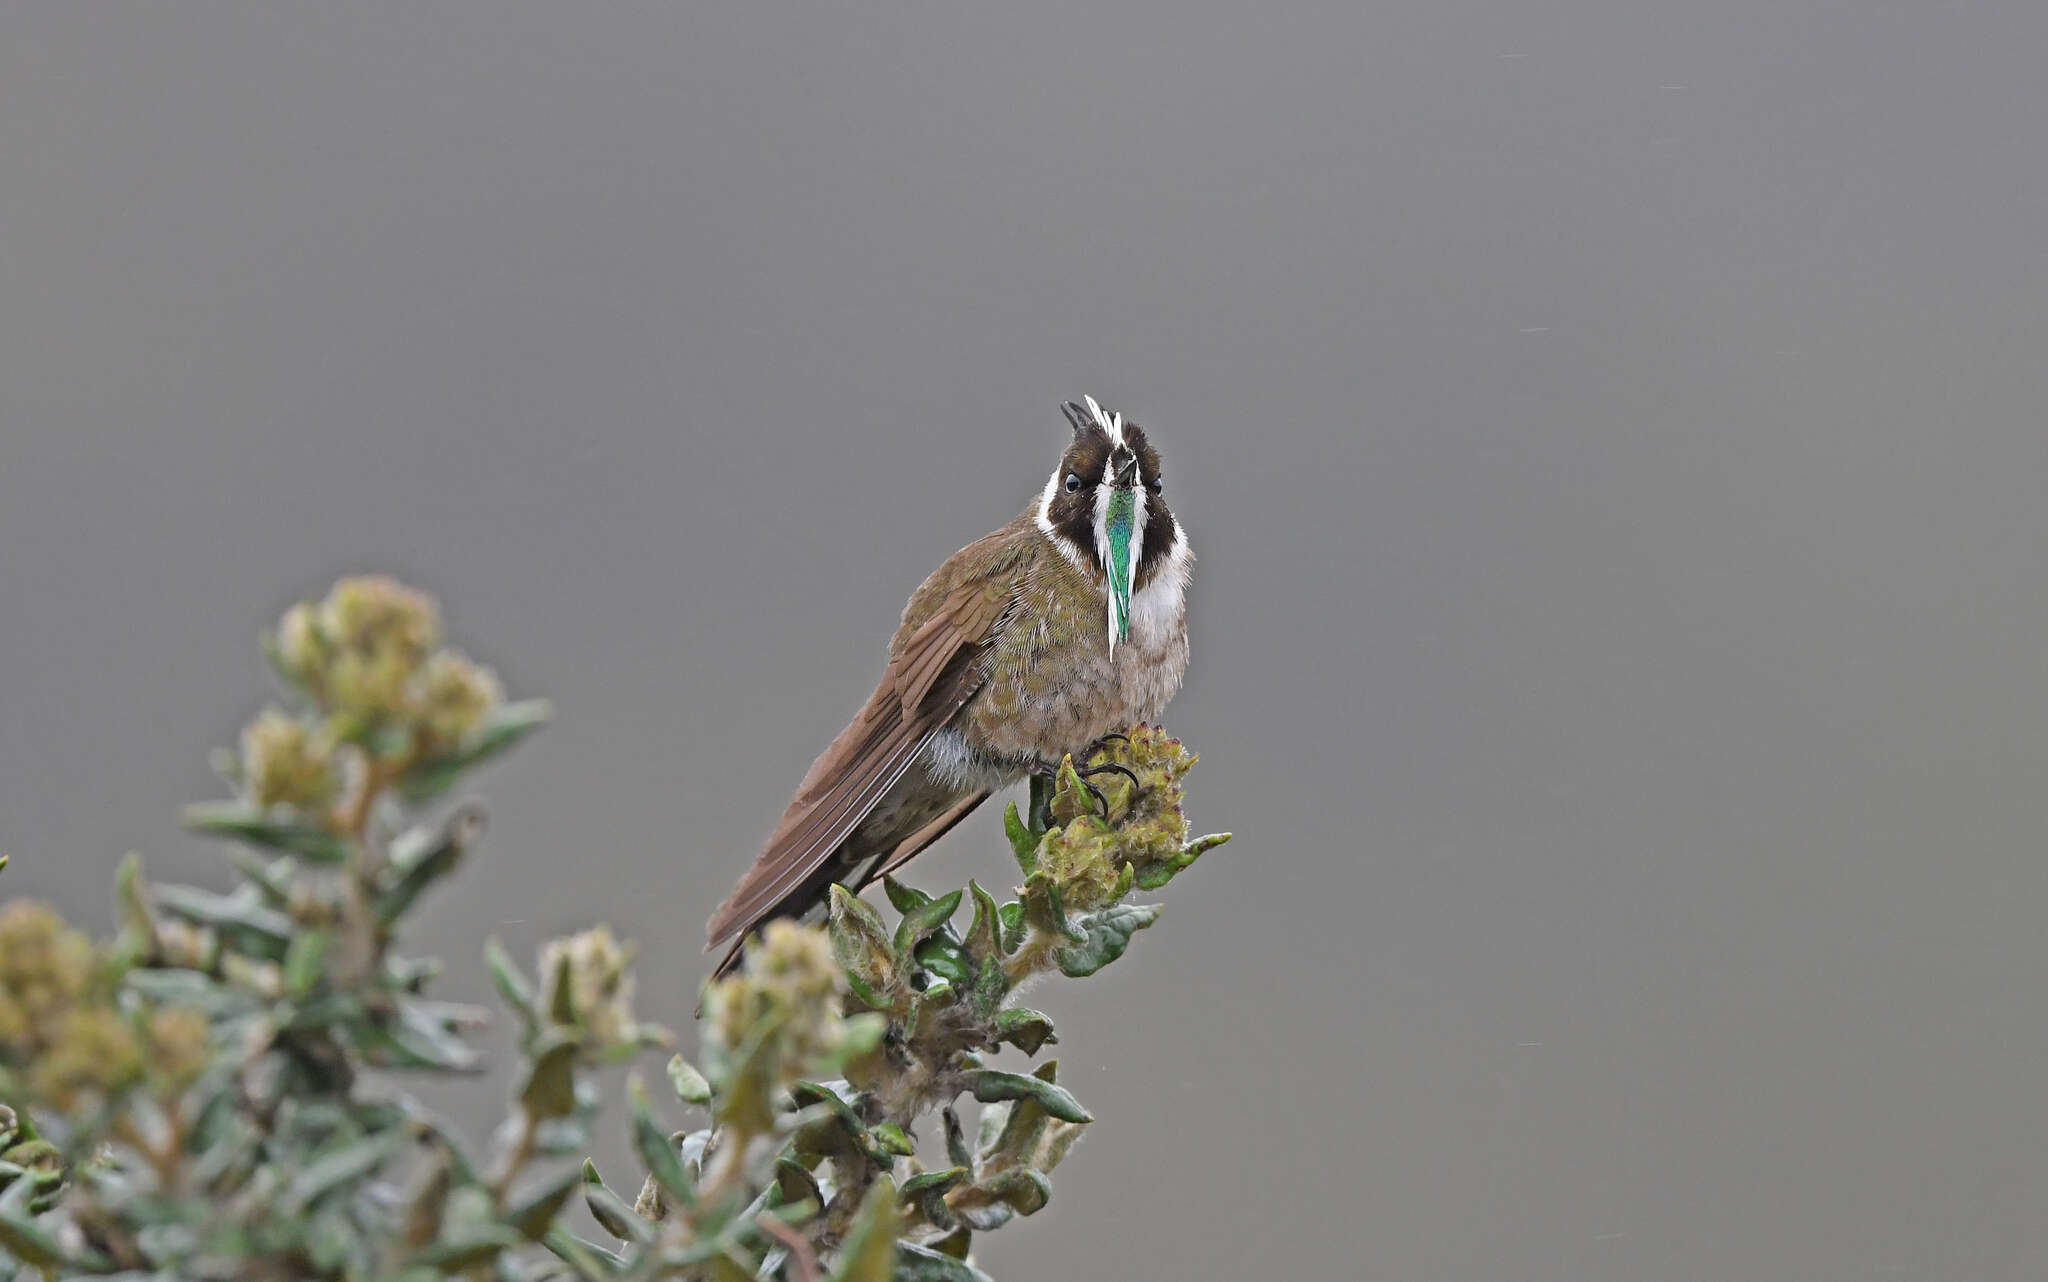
(1104, 507)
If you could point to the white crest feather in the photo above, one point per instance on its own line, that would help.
(1113, 424)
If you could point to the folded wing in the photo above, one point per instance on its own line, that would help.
(935, 666)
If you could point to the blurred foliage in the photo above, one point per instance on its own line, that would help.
(217, 1091)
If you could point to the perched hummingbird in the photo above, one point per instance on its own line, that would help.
(1036, 641)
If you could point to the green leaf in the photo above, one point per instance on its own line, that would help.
(840, 1121)
(561, 992)
(305, 962)
(956, 1139)
(550, 1089)
(984, 935)
(413, 1040)
(934, 1181)
(1105, 935)
(1045, 908)
(1154, 873)
(1024, 1028)
(272, 877)
(689, 1084)
(245, 823)
(424, 856)
(252, 928)
(468, 1247)
(870, 1251)
(990, 1085)
(588, 1258)
(348, 1164)
(500, 730)
(511, 983)
(890, 1138)
(990, 987)
(657, 1151)
(916, 1263)
(946, 959)
(1023, 841)
(905, 899)
(610, 1210)
(1022, 1189)
(132, 894)
(1011, 917)
(533, 1214)
(796, 1183)
(27, 1241)
(923, 921)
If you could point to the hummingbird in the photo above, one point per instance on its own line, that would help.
(1037, 641)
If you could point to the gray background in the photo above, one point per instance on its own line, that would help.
(1611, 434)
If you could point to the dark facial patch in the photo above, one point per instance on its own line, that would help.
(1073, 515)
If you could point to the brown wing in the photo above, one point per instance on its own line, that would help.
(934, 667)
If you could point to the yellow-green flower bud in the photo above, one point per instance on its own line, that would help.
(791, 979)
(301, 651)
(1082, 859)
(177, 1046)
(287, 762)
(91, 1051)
(600, 985)
(381, 631)
(45, 967)
(454, 694)
(374, 612)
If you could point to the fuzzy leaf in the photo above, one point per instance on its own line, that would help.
(305, 962)
(657, 1151)
(27, 1241)
(533, 1214)
(1011, 918)
(990, 987)
(1026, 1029)
(984, 933)
(255, 929)
(345, 1165)
(468, 1247)
(610, 1210)
(904, 899)
(511, 983)
(796, 1183)
(422, 857)
(956, 1140)
(588, 1258)
(1023, 841)
(550, 1089)
(916, 1263)
(1105, 936)
(245, 823)
(501, 729)
(923, 921)
(990, 1085)
(689, 1084)
(947, 960)
(890, 1138)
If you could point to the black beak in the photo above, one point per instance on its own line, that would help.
(1126, 474)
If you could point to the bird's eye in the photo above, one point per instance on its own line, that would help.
(1158, 484)
(1073, 483)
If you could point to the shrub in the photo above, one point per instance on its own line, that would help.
(216, 1091)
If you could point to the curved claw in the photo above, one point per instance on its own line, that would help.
(1107, 768)
(1096, 793)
